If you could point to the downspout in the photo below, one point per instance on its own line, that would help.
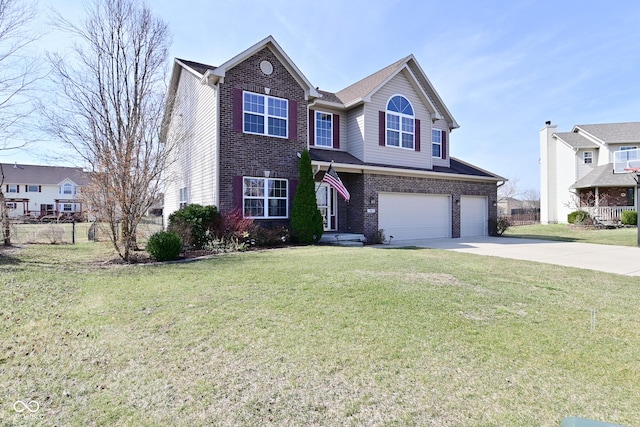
(216, 196)
(315, 169)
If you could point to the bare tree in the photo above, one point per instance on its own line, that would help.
(18, 73)
(110, 107)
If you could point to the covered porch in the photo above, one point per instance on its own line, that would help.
(606, 195)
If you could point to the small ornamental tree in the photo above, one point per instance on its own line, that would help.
(306, 220)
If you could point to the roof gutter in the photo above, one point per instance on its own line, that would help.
(350, 168)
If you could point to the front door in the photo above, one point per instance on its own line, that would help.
(326, 199)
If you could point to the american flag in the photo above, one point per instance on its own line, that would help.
(331, 177)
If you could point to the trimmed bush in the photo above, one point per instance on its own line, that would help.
(164, 246)
(629, 218)
(502, 225)
(197, 225)
(577, 217)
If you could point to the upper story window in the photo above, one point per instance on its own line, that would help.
(265, 115)
(324, 129)
(265, 197)
(66, 189)
(587, 157)
(400, 123)
(12, 188)
(436, 143)
(628, 147)
(33, 188)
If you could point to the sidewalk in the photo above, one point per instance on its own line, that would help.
(623, 260)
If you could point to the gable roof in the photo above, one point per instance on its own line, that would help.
(42, 175)
(612, 133)
(361, 91)
(603, 176)
(218, 73)
(575, 140)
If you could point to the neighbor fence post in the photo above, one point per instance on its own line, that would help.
(73, 232)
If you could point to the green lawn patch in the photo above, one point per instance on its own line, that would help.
(614, 236)
(315, 336)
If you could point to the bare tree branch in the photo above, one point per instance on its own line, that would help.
(110, 107)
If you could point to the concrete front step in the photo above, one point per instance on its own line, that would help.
(343, 239)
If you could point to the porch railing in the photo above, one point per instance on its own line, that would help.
(609, 213)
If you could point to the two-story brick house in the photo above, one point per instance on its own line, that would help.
(241, 126)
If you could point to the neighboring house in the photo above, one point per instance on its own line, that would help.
(519, 211)
(43, 192)
(579, 170)
(243, 124)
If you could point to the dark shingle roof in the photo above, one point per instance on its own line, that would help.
(603, 176)
(456, 167)
(43, 175)
(197, 66)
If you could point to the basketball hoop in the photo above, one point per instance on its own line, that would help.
(636, 176)
(636, 172)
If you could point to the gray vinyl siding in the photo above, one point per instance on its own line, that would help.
(355, 132)
(442, 125)
(583, 168)
(374, 153)
(194, 122)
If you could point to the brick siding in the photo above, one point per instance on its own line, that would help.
(251, 155)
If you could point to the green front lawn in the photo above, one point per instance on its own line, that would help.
(315, 336)
(615, 236)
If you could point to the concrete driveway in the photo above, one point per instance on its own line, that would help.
(610, 259)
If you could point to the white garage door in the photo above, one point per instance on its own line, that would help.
(414, 216)
(473, 216)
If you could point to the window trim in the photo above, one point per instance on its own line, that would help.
(438, 144)
(265, 197)
(265, 115)
(12, 188)
(587, 157)
(29, 188)
(317, 128)
(400, 131)
(183, 197)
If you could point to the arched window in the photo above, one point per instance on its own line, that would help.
(400, 123)
(67, 189)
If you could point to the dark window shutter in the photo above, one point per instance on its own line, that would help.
(312, 127)
(293, 185)
(237, 110)
(444, 145)
(293, 120)
(336, 131)
(382, 128)
(17, 188)
(39, 188)
(237, 194)
(417, 134)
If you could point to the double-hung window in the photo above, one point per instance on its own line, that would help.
(587, 157)
(324, 129)
(265, 115)
(400, 123)
(436, 143)
(184, 197)
(265, 197)
(12, 188)
(32, 188)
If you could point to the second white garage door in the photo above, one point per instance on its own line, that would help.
(473, 216)
(414, 216)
